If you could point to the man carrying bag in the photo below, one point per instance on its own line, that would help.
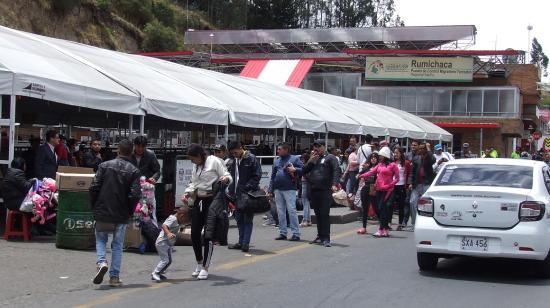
(246, 172)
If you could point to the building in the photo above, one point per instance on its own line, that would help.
(492, 102)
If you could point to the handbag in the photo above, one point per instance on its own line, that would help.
(254, 201)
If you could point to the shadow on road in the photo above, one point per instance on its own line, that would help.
(124, 286)
(517, 272)
(260, 252)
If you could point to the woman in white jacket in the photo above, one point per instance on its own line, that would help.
(208, 171)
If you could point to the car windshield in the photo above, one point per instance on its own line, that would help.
(487, 175)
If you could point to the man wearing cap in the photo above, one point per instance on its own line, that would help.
(220, 151)
(441, 158)
(323, 177)
(465, 153)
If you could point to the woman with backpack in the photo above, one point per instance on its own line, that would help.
(387, 175)
(368, 191)
(400, 190)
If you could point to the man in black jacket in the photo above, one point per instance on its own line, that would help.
(421, 176)
(45, 163)
(246, 172)
(323, 174)
(92, 158)
(114, 192)
(145, 160)
(15, 186)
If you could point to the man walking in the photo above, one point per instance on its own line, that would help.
(246, 172)
(323, 175)
(45, 163)
(285, 176)
(146, 161)
(421, 176)
(113, 193)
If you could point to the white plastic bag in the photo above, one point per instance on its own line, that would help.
(27, 205)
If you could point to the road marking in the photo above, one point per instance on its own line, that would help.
(109, 299)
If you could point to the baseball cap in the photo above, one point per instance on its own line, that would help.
(438, 147)
(466, 145)
(219, 147)
(319, 142)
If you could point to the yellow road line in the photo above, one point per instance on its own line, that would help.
(109, 299)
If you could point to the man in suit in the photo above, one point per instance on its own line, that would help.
(45, 164)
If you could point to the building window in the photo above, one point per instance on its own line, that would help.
(408, 101)
(442, 102)
(424, 100)
(474, 103)
(394, 98)
(506, 102)
(460, 98)
(490, 103)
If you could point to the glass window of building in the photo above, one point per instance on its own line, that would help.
(442, 102)
(394, 98)
(474, 102)
(506, 102)
(424, 101)
(459, 100)
(490, 103)
(408, 100)
(379, 96)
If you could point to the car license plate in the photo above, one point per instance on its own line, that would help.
(474, 243)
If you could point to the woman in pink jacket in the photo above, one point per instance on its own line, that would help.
(387, 175)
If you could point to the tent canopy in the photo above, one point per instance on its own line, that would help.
(86, 76)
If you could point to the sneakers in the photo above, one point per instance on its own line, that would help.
(245, 248)
(197, 271)
(102, 268)
(281, 238)
(327, 243)
(294, 238)
(115, 282)
(203, 275)
(386, 233)
(379, 233)
(156, 277)
(162, 277)
(305, 224)
(362, 231)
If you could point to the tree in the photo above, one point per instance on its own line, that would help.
(159, 38)
(538, 57)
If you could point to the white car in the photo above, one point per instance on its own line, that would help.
(488, 208)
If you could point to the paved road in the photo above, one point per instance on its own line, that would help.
(357, 270)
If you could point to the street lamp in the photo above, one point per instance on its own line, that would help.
(211, 41)
(529, 28)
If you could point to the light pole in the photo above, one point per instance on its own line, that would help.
(211, 42)
(528, 56)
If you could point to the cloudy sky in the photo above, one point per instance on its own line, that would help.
(503, 21)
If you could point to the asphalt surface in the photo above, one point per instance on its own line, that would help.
(357, 270)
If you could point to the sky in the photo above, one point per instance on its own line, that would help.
(503, 22)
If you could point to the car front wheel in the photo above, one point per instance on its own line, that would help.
(426, 261)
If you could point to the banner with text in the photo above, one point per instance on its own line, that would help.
(458, 69)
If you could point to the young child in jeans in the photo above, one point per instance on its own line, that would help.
(166, 240)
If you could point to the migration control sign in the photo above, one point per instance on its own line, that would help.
(457, 69)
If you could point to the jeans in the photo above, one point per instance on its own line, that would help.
(165, 253)
(416, 193)
(385, 203)
(245, 224)
(305, 202)
(320, 201)
(286, 201)
(400, 194)
(353, 182)
(101, 239)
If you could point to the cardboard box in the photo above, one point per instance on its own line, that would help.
(74, 178)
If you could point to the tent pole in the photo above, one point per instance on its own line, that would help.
(326, 139)
(226, 133)
(130, 125)
(275, 143)
(11, 150)
(284, 134)
(142, 125)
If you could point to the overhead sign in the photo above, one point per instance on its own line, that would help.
(459, 69)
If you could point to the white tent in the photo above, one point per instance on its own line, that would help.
(87, 76)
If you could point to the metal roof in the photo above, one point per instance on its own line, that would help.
(330, 39)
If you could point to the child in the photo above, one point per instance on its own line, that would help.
(167, 239)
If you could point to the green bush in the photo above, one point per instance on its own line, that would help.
(64, 6)
(104, 5)
(137, 11)
(159, 38)
(164, 13)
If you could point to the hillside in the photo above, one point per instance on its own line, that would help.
(124, 25)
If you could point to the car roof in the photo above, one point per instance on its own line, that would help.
(498, 161)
